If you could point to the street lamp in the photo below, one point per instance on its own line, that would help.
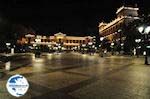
(145, 31)
(122, 47)
(90, 47)
(112, 47)
(101, 41)
(8, 46)
(102, 38)
(137, 47)
(120, 36)
(83, 47)
(100, 46)
(137, 40)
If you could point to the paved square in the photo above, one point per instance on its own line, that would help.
(77, 76)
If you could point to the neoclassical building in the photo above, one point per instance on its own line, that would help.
(111, 30)
(59, 39)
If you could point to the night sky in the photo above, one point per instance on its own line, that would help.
(48, 17)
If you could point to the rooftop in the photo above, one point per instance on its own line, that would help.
(128, 8)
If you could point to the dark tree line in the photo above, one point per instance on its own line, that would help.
(131, 32)
(11, 32)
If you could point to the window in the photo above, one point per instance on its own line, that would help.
(80, 41)
(67, 41)
(59, 40)
(83, 41)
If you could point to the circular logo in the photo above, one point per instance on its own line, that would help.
(17, 85)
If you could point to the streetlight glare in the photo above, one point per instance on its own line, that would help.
(34, 45)
(8, 44)
(141, 29)
(137, 40)
(102, 38)
(112, 44)
(90, 43)
(119, 30)
(147, 30)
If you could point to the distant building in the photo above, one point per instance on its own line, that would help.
(111, 30)
(56, 41)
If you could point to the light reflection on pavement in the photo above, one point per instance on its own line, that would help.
(77, 76)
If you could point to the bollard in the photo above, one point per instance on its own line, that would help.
(7, 65)
(12, 50)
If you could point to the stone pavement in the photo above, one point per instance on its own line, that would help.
(88, 77)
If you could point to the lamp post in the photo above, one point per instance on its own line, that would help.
(83, 48)
(145, 31)
(8, 47)
(100, 46)
(101, 41)
(112, 48)
(90, 47)
(120, 36)
(137, 47)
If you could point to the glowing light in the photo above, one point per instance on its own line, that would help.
(119, 30)
(8, 44)
(137, 40)
(90, 43)
(59, 47)
(83, 45)
(34, 45)
(141, 29)
(147, 30)
(49, 45)
(139, 47)
(38, 40)
(112, 44)
(122, 44)
(93, 46)
(102, 38)
(144, 53)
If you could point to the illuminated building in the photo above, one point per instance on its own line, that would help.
(57, 41)
(111, 30)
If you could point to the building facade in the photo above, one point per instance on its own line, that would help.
(111, 31)
(59, 40)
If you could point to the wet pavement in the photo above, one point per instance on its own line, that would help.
(77, 76)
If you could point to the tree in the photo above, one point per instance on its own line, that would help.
(131, 31)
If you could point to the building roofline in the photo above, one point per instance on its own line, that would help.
(116, 20)
(113, 22)
(129, 8)
(102, 23)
